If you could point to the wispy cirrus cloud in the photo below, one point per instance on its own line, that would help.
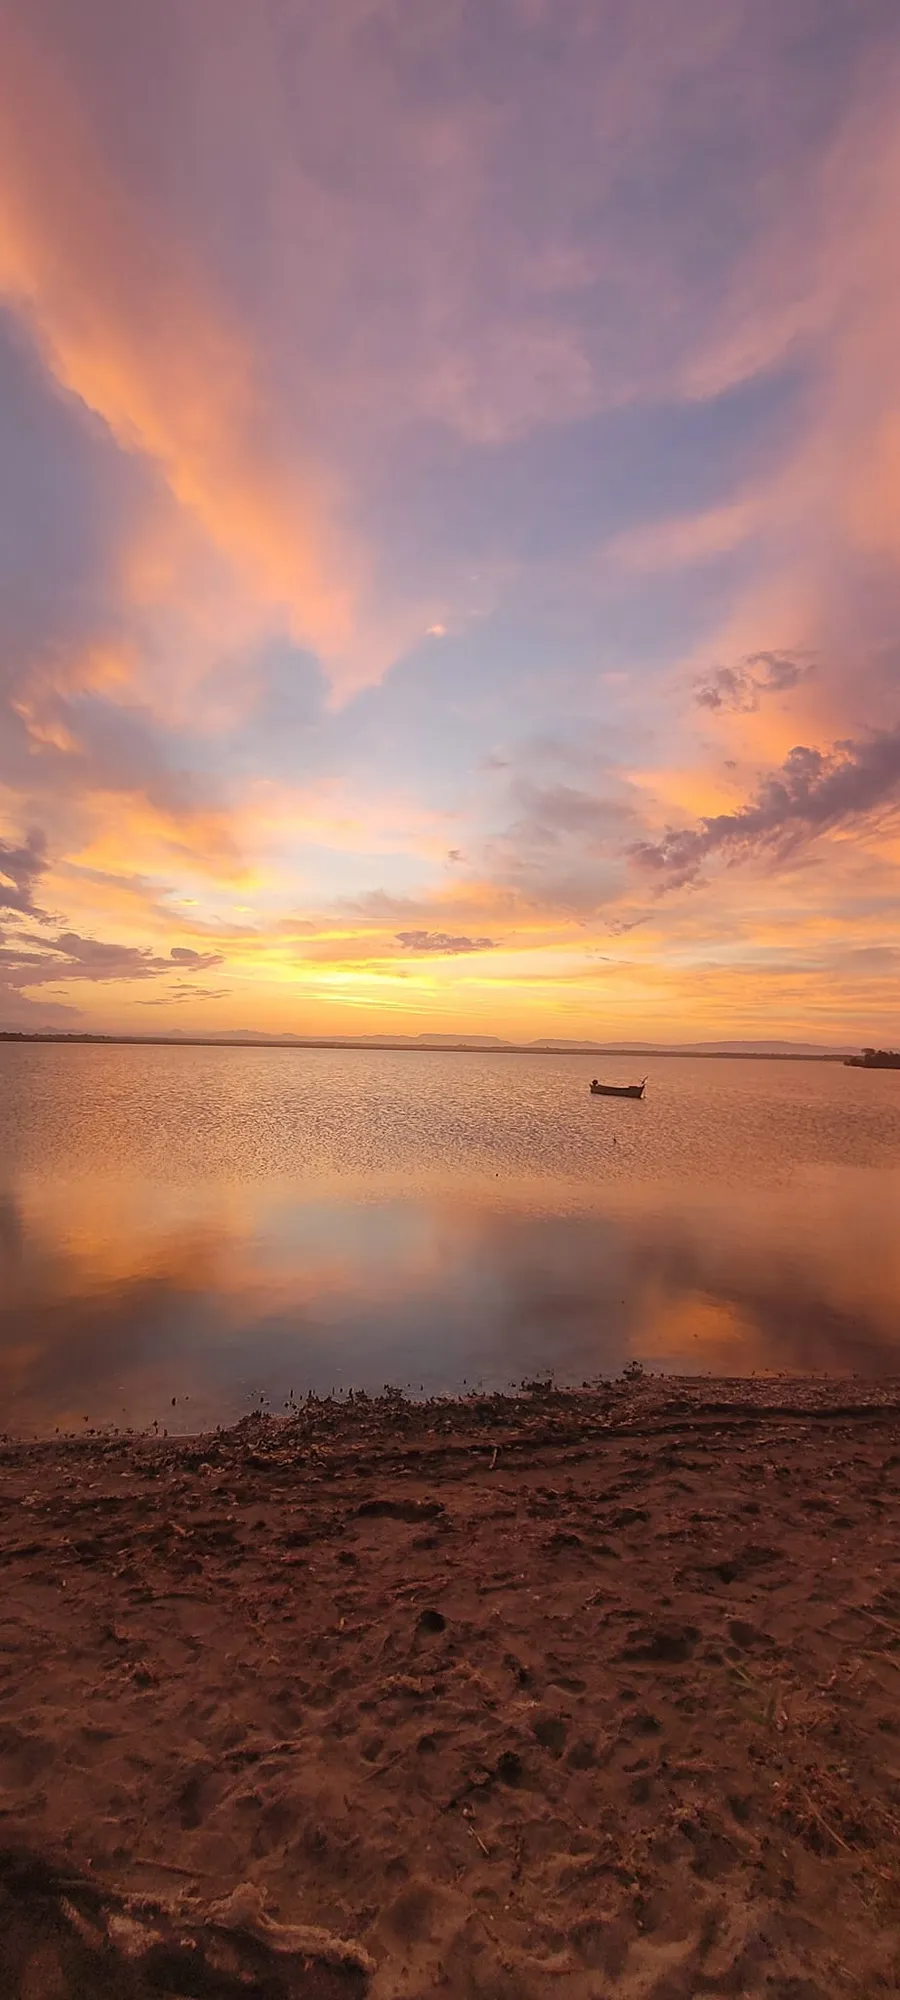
(129, 325)
(185, 994)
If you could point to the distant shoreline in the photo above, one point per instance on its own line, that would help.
(11, 1036)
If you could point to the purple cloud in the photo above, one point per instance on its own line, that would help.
(442, 943)
(35, 962)
(813, 792)
(740, 688)
(20, 868)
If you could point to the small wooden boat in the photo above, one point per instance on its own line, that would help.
(618, 1089)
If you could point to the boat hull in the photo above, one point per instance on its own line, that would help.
(617, 1090)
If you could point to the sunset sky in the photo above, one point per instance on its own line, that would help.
(450, 517)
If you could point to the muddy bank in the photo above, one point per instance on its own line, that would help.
(566, 1694)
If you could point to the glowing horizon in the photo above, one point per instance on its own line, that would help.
(449, 472)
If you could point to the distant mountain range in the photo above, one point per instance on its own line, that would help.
(247, 1037)
(705, 1048)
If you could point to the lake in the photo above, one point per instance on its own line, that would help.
(185, 1233)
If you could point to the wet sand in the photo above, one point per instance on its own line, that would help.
(571, 1694)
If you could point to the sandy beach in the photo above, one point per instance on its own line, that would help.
(566, 1693)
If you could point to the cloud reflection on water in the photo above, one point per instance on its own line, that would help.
(115, 1298)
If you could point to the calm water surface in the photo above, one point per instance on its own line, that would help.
(220, 1225)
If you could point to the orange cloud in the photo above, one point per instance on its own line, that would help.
(202, 841)
(683, 540)
(126, 326)
(823, 285)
